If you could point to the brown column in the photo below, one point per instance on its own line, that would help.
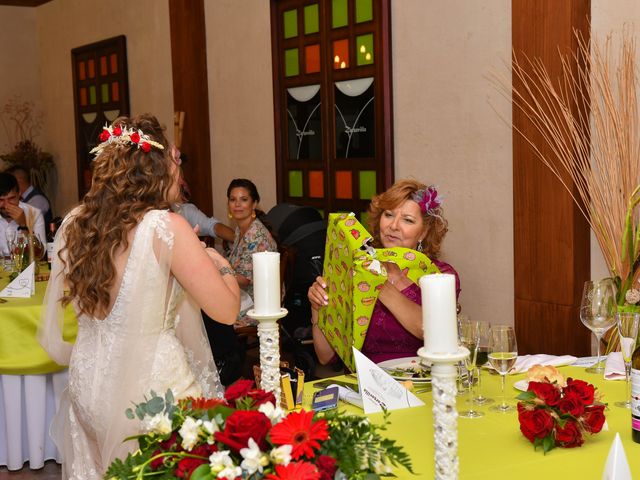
(551, 238)
(190, 95)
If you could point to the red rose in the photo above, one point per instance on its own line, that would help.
(158, 462)
(186, 466)
(571, 403)
(569, 436)
(135, 138)
(260, 396)
(241, 426)
(146, 147)
(117, 131)
(593, 418)
(536, 423)
(237, 390)
(104, 136)
(546, 392)
(327, 467)
(585, 391)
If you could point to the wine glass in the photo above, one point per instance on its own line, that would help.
(628, 331)
(470, 338)
(484, 335)
(503, 352)
(18, 247)
(597, 312)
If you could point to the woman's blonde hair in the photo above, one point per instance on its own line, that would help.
(127, 183)
(433, 218)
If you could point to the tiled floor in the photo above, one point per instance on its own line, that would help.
(51, 471)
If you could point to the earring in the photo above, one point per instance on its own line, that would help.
(420, 248)
(253, 214)
(229, 215)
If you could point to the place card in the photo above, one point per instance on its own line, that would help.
(617, 466)
(379, 390)
(23, 286)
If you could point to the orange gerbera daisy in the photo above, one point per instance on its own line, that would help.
(299, 430)
(295, 471)
(201, 403)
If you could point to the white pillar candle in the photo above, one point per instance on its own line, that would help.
(439, 313)
(266, 282)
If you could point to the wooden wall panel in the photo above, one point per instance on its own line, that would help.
(190, 95)
(551, 238)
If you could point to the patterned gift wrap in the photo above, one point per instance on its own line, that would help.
(354, 273)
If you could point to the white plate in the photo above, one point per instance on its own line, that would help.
(409, 364)
(522, 385)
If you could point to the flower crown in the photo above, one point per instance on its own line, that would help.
(428, 200)
(123, 135)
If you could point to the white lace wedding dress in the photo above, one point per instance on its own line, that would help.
(153, 339)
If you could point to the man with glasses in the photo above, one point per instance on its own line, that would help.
(14, 213)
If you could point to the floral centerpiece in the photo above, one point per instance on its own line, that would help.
(245, 436)
(590, 120)
(558, 413)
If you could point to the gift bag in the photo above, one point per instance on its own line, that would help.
(354, 274)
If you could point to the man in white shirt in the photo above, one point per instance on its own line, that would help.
(14, 213)
(29, 193)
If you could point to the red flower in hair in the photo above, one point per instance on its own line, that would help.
(299, 430)
(146, 147)
(135, 137)
(104, 136)
(117, 130)
(295, 471)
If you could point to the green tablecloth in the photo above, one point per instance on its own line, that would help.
(492, 447)
(20, 352)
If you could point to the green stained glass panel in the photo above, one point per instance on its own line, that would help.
(364, 46)
(339, 13)
(311, 19)
(290, 18)
(295, 183)
(367, 184)
(92, 95)
(105, 92)
(364, 11)
(291, 64)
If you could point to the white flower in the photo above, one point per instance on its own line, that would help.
(230, 472)
(218, 461)
(632, 296)
(210, 428)
(189, 432)
(254, 459)
(381, 468)
(281, 455)
(159, 423)
(274, 413)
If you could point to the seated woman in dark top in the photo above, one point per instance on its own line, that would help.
(410, 215)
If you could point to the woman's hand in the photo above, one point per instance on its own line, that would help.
(395, 276)
(217, 259)
(317, 294)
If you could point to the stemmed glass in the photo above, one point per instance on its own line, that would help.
(470, 338)
(628, 331)
(503, 352)
(10, 235)
(484, 335)
(20, 243)
(597, 312)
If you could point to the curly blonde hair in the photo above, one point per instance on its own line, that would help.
(127, 183)
(434, 221)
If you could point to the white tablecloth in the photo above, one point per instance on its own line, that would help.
(27, 406)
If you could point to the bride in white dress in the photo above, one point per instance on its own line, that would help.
(137, 277)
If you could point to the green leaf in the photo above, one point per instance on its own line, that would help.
(203, 472)
(129, 413)
(548, 443)
(526, 396)
(155, 405)
(168, 397)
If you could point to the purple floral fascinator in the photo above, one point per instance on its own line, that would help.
(429, 200)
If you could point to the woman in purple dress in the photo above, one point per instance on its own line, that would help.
(409, 215)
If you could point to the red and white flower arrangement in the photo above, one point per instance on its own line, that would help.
(246, 437)
(123, 135)
(558, 414)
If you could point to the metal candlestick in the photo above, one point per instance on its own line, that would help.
(269, 336)
(445, 415)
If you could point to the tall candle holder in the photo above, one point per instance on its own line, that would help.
(269, 337)
(445, 415)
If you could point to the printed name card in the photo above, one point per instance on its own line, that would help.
(23, 286)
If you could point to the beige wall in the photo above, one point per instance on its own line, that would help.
(240, 98)
(19, 68)
(446, 133)
(65, 24)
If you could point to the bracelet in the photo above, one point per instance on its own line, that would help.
(226, 271)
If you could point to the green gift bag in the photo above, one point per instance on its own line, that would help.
(354, 274)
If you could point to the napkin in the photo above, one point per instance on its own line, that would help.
(617, 466)
(525, 362)
(614, 368)
(23, 286)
